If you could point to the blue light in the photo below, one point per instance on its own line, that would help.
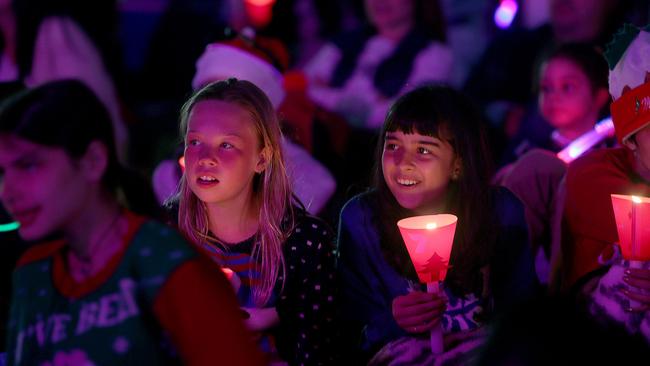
(505, 13)
(9, 227)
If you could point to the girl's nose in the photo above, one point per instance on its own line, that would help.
(405, 160)
(207, 161)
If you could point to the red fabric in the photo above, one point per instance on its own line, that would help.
(589, 226)
(198, 308)
(297, 110)
(40, 251)
(631, 111)
(70, 288)
(270, 50)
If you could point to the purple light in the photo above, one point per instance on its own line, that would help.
(505, 13)
(601, 131)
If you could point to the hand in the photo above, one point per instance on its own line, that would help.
(639, 282)
(418, 312)
(261, 319)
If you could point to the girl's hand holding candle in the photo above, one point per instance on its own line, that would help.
(419, 312)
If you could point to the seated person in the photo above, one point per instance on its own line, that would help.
(589, 264)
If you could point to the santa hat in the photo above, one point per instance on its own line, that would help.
(628, 56)
(244, 59)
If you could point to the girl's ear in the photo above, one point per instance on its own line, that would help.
(630, 143)
(264, 159)
(457, 168)
(94, 161)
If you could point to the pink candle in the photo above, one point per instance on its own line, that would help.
(632, 215)
(429, 241)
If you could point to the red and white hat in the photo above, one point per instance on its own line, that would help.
(239, 58)
(629, 80)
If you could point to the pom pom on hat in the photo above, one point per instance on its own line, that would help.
(258, 61)
(629, 58)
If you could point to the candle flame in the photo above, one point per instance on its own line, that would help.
(431, 226)
(636, 199)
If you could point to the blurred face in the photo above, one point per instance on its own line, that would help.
(579, 20)
(417, 169)
(41, 187)
(389, 13)
(222, 153)
(566, 98)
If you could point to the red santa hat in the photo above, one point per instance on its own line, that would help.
(258, 61)
(629, 80)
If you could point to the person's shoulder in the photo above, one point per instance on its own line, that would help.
(309, 225)
(599, 163)
(506, 204)
(310, 235)
(164, 238)
(358, 206)
(601, 156)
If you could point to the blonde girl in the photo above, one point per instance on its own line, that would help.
(235, 201)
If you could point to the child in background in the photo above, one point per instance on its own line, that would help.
(572, 97)
(615, 290)
(432, 158)
(236, 202)
(573, 91)
(113, 287)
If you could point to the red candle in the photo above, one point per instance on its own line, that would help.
(632, 215)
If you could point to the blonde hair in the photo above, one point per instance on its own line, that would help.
(271, 188)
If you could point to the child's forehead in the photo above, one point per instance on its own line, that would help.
(410, 136)
(13, 147)
(219, 116)
(563, 63)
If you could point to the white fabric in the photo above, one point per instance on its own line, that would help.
(358, 100)
(8, 69)
(63, 51)
(219, 60)
(312, 182)
(632, 67)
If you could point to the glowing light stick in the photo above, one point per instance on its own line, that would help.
(577, 147)
(429, 240)
(9, 226)
(505, 13)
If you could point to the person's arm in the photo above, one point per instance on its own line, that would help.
(366, 315)
(307, 303)
(618, 293)
(199, 310)
(512, 272)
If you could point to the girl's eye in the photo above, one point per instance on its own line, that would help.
(193, 142)
(568, 87)
(424, 151)
(391, 147)
(227, 146)
(27, 165)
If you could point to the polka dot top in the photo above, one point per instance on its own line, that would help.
(305, 305)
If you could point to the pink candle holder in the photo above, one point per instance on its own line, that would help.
(632, 215)
(429, 240)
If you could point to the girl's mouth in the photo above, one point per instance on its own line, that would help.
(26, 217)
(206, 180)
(407, 182)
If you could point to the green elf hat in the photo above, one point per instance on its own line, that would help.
(628, 56)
